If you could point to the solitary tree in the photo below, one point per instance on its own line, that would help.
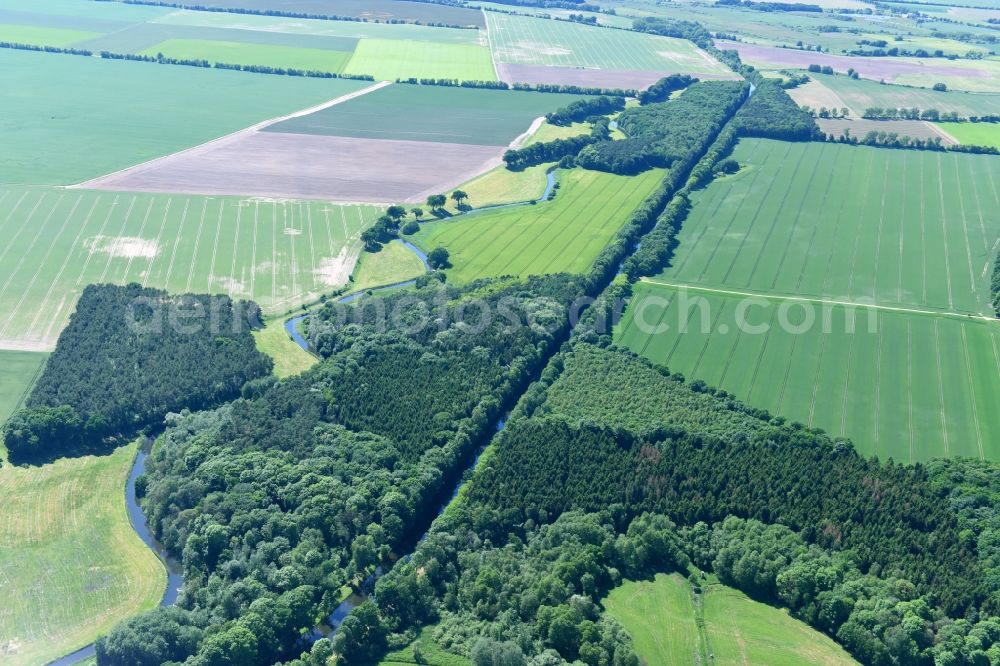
(437, 201)
(417, 212)
(397, 213)
(370, 237)
(438, 258)
(459, 196)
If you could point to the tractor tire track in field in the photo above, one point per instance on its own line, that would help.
(40, 264)
(972, 393)
(121, 232)
(197, 246)
(942, 412)
(753, 220)
(27, 253)
(177, 242)
(44, 309)
(944, 229)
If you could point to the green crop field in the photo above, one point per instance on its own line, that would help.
(141, 36)
(897, 227)
(20, 369)
(524, 40)
(974, 134)
(281, 254)
(352, 29)
(898, 384)
(379, 10)
(503, 186)
(860, 94)
(30, 34)
(68, 118)
(237, 53)
(910, 233)
(670, 625)
(565, 234)
(71, 566)
(431, 113)
(391, 59)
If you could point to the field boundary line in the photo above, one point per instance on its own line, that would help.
(820, 301)
(489, 45)
(232, 136)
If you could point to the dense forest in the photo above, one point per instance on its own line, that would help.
(277, 500)
(663, 133)
(771, 114)
(611, 468)
(130, 355)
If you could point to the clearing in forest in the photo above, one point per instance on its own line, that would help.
(669, 624)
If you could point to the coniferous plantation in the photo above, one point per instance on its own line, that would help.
(129, 356)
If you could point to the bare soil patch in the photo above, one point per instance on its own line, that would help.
(870, 68)
(299, 166)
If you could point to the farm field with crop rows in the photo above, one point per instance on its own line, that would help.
(280, 253)
(565, 234)
(900, 385)
(525, 40)
(911, 228)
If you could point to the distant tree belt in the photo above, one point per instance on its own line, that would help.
(130, 355)
(662, 89)
(689, 30)
(663, 133)
(582, 5)
(771, 6)
(585, 108)
(995, 286)
(771, 114)
(290, 14)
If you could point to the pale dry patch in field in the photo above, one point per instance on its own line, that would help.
(334, 271)
(815, 95)
(127, 247)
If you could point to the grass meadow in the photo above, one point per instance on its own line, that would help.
(289, 358)
(564, 234)
(242, 53)
(503, 186)
(974, 134)
(71, 566)
(68, 118)
(896, 227)
(525, 40)
(860, 94)
(670, 625)
(280, 253)
(393, 263)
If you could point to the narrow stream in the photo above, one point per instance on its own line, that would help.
(138, 520)
(334, 620)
